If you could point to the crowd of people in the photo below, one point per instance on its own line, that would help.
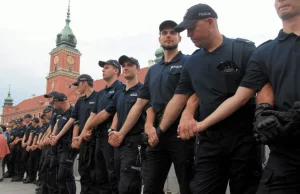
(210, 114)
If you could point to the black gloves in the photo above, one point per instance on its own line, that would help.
(272, 123)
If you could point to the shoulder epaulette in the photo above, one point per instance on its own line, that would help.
(265, 43)
(244, 40)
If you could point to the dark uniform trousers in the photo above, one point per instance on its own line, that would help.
(282, 172)
(104, 163)
(65, 177)
(11, 162)
(32, 165)
(129, 165)
(222, 155)
(44, 165)
(158, 162)
(18, 152)
(23, 162)
(86, 168)
(52, 171)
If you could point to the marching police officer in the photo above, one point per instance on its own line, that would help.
(159, 86)
(53, 165)
(80, 114)
(226, 150)
(104, 152)
(277, 62)
(66, 157)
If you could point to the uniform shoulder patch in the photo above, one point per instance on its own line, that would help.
(264, 43)
(244, 40)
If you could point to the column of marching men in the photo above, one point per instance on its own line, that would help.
(210, 114)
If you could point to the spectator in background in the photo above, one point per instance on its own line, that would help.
(4, 150)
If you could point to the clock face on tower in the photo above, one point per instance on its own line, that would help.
(56, 60)
(70, 60)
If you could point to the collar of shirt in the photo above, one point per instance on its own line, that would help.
(174, 60)
(133, 87)
(90, 96)
(219, 49)
(282, 36)
(113, 85)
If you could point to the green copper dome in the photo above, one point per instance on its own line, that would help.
(159, 53)
(8, 101)
(66, 37)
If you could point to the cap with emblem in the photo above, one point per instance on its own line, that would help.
(51, 94)
(110, 62)
(125, 58)
(167, 24)
(195, 13)
(36, 120)
(28, 116)
(60, 97)
(83, 77)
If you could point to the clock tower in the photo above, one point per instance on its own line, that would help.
(64, 61)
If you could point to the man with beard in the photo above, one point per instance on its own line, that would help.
(164, 148)
(80, 114)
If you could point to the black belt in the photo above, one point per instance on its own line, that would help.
(136, 139)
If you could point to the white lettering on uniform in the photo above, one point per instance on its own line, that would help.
(134, 94)
(176, 67)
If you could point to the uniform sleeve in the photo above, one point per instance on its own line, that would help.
(94, 109)
(256, 75)
(111, 108)
(184, 86)
(145, 92)
(75, 111)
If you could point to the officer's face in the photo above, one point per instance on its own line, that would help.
(200, 32)
(109, 71)
(48, 115)
(27, 120)
(130, 70)
(287, 9)
(169, 39)
(81, 87)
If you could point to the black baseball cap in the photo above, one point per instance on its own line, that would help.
(124, 58)
(111, 62)
(83, 77)
(47, 110)
(28, 116)
(60, 97)
(51, 94)
(195, 13)
(167, 24)
(35, 119)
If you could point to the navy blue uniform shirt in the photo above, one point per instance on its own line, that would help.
(161, 81)
(121, 103)
(204, 75)
(104, 97)
(278, 62)
(55, 114)
(65, 116)
(83, 108)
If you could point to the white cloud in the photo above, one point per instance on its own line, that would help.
(105, 30)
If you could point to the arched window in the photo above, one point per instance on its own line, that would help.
(70, 69)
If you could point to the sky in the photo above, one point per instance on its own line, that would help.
(106, 30)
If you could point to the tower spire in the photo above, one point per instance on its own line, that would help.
(68, 20)
(8, 101)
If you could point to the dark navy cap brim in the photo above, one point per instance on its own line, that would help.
(184, 25)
